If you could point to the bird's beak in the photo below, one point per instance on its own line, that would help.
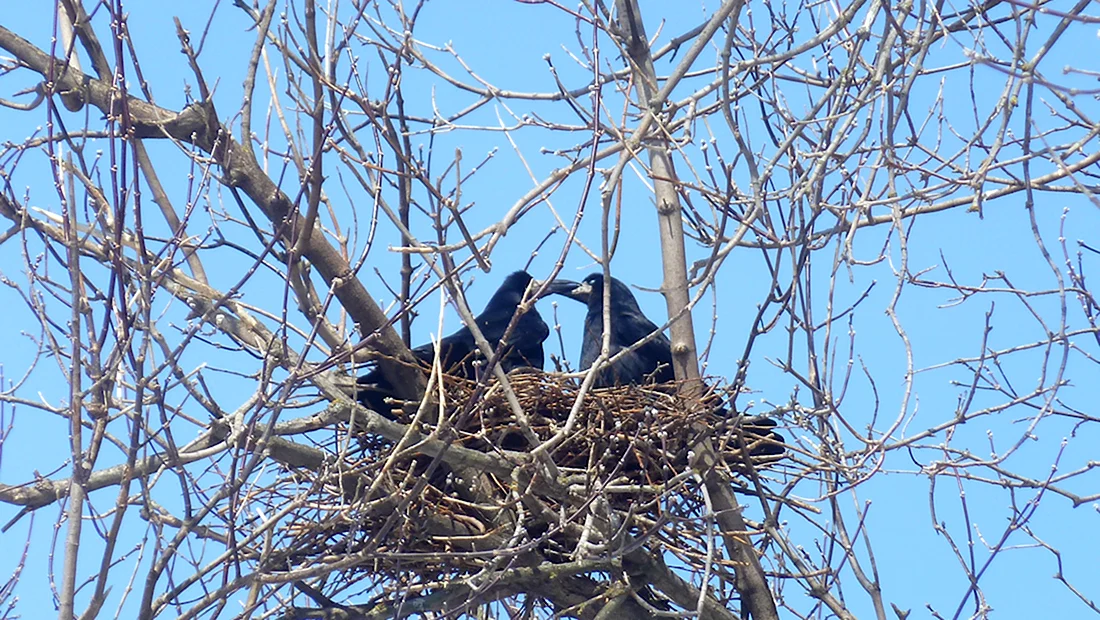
(573, 290)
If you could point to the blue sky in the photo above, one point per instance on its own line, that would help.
(916, 564)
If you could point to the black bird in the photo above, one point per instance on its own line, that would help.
(458, 353)
(649, 363)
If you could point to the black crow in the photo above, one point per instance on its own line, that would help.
(458, 353)
(649, 363)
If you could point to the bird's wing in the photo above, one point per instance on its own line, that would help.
(631, 369)
(526, 342)
(592, 340)
(453, 351)
(653, 356)
(658, 354)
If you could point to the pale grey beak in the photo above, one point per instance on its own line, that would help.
(573, 290)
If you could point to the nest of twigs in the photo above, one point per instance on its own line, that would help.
(403, 511)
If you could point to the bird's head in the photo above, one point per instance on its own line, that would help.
(590, 291)
(517, 283)
(511, 290)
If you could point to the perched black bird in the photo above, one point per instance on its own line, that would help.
(649, 363)
(458, 353)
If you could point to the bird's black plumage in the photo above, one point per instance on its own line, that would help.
(458, 353)
(650, 362)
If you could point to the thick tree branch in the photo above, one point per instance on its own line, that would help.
(750, 581)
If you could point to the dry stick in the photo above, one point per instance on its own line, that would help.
(161, 199)
(749, 574)
(77, 492)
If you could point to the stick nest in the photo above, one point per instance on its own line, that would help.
(627, 458)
